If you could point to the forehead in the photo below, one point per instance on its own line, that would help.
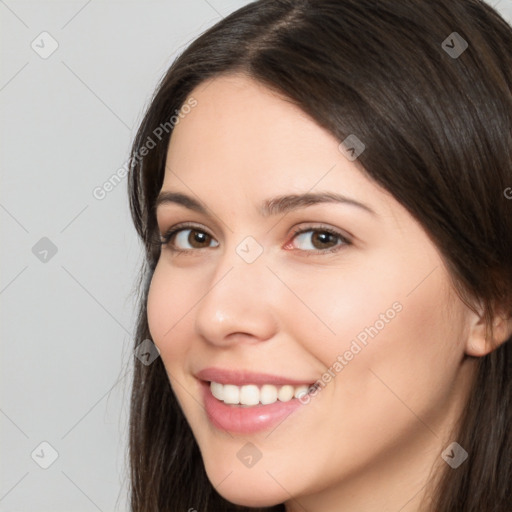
(238, 115)
(243, 143)
(242, 129)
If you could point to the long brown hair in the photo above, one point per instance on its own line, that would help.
(436, 119)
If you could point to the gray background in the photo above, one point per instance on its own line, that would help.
(67, 316)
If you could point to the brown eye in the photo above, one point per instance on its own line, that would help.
(186, 239)
(323, 240)
(318, 239)
(198, 239)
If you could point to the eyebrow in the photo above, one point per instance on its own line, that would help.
(269, 207)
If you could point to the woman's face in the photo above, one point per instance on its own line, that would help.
(272, 293)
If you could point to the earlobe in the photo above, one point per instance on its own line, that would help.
(479, 343)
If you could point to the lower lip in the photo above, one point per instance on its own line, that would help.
(245, 420)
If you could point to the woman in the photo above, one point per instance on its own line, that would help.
(320, 187)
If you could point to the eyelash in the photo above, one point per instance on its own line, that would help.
(166, 238)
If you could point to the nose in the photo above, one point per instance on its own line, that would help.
(239, 304)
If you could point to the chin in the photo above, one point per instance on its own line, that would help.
(247, 487)
(249, 496)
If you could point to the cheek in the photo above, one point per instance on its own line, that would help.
(332, 308)
(382, 340)
(168, 313)
(406, 358)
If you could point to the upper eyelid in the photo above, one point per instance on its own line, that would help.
(192, 225)
(342, 234)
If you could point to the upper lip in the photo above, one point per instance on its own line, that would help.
(243, 377)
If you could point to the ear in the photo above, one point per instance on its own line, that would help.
(478, 342)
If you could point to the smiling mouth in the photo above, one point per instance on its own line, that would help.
(251, 394)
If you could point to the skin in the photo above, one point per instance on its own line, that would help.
(382, 422)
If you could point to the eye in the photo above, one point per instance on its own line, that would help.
(318, 239)
(185, 238)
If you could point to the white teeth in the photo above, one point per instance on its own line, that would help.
(217, 390)
(285, 394)
(268, 394)
(251, 394)
(231, 394)
(301, 391)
